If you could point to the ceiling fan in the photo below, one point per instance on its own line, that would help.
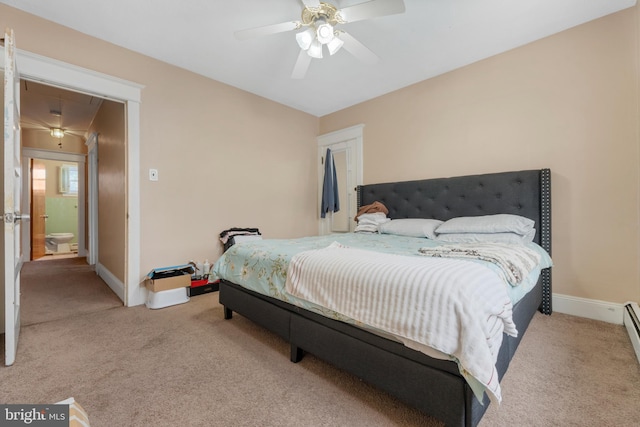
(56, 111)
(320, 20)
(54, 126)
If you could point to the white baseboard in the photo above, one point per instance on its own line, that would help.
(589, 308)
(112, 281)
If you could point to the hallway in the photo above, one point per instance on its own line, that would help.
(61, 288)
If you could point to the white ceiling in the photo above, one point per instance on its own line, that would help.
(430, 38)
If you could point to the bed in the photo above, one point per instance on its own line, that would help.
(432, 385)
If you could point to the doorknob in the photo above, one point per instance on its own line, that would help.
(44, 216)
(15, 217)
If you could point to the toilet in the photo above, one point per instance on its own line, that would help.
(59, 242)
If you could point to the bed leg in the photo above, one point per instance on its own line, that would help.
(228, 313)
(296, 353)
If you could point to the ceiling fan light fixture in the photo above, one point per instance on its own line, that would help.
(334, 45)
(324, 33)
(57, 132)
(315, 50)
(305, 38)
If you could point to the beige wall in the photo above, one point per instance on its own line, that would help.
(225, 157)
(567, 102)
(228, 158)
(109, 124)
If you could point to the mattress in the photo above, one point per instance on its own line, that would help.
(262, 267)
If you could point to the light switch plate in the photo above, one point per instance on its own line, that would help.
(153, 174)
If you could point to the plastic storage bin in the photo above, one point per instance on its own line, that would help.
(167, 298)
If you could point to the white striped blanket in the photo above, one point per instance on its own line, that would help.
(515, 261)
(457, 307)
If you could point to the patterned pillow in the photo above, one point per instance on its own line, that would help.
(77, 415)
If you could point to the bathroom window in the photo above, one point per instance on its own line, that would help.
(69, 180)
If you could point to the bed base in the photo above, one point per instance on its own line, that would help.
(404, 373)
(433, 386)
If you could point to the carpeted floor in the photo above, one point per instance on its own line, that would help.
(186, 366)
(59, 288)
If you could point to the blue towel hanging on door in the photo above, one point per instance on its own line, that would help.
(330, 199)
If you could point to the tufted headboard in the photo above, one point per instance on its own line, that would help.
(526, 193)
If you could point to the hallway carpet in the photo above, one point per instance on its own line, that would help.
(60, 288)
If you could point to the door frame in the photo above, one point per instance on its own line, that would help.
(67, 76)
(36, 153)
(353, 138)
(92, 194)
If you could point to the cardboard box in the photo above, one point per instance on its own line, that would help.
(165, 278)
(166, 283)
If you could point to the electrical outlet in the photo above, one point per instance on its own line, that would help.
(153, 174)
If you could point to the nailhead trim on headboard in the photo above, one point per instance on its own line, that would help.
(545, 236)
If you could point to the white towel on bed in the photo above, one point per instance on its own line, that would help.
(457, 307)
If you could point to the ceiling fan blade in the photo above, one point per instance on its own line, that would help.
(78, 133)
(371, 9)
(357, 49)
(266, 30)
(302, 65)
(311, 3)
(34, 124)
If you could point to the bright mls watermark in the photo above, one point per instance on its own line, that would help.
(34, 415)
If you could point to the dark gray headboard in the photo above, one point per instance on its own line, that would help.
(526, 193)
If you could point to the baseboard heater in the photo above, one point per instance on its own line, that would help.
(632, 322)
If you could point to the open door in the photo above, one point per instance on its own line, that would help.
(38, 209)
(12, 198)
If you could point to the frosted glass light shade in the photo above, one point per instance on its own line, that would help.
(315, 50)
(324, 33)
(305, 38)
(334, 45)
(57, 132)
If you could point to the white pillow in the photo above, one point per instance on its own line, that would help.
(412, 227)
(372, 218)
(370, 222)
(500, 223)
(486, 237)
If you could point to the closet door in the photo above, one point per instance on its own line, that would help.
(346, 148)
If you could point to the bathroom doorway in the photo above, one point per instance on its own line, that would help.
(54, 193)
(55, 209)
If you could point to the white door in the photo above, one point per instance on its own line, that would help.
(342, 153)
(12, 198)
(346, 148)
